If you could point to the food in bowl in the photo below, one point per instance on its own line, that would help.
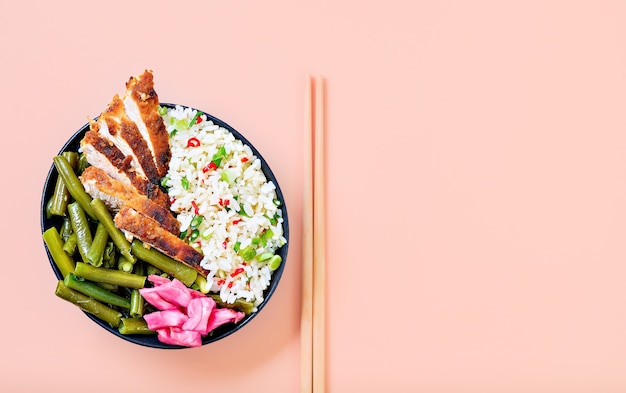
(164, 192)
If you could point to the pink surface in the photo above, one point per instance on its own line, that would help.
(476, 195)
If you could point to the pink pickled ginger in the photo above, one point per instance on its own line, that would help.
(184, 315)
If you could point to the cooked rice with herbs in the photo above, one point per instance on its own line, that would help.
(227, 208)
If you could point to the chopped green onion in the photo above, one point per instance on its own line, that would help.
(184, 182)
(181, 124)
(195, 118)
(236, 246)
(164, 181)
(173, 132)
(256, 240)
(162, 110)
(206, 235)
(274, 262)
(277, 202)
(264, 256)
(248, 253)
(183, 234)
(229, 176)
(196, 221)
(194, 235)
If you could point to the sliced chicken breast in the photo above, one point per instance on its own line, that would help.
(141, 104)
(153, 234)
(116, 194)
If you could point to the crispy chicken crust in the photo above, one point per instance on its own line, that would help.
(151, 232)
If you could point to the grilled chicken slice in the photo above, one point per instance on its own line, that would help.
(116, 194)
(115, 126)
(141, 104)
(102, 153)
(152, 233)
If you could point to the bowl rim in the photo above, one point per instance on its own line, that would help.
(151, 340)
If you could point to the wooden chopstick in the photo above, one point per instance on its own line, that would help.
(306, 320)
(319, 243)
(313, 318)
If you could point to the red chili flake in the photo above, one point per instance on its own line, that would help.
(237, 271)
(172, 200)
(226, 202)
(210, 166)
(199, 243)
(193, 142)
(230, 284)
(237, 221)
(244, 159)
(198, 119)
(221, 202)
(195, 207)
(225, 244)
(221, 282)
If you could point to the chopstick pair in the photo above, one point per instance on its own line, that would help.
(313, 322)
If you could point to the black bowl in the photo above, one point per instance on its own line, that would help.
(151, 341)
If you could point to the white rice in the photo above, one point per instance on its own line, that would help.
(239, 212)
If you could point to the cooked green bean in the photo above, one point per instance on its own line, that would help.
(70, 244)
(73, 184)
(87, 304)
(53, 240)
(108, 258)
(95, 291)
(66, 229)
(134, 326)
(239, 304)
(82, 163)
(109, 276)
(184, 273)
(202, 284)
(96, 251)
(150, 270)
(80, 225)
(136, 304)
(103, 215)
(61, 196)
(123, 264)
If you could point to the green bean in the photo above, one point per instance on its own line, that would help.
(81, 228)
(150, 270)
(108, 287)
(134, 326)
(136, 304)
(108, 258)
(95, 291)
(109, 276)
(140, 268)
(70, 244)
(72, 158)
(73, 184)
(103, 215)
(184, 273)
(124, 265)
(87, 304)
(66, 229)
(202, 284)
(61, 196)
(96, 251)
(239, 304)
(53, 241)
(82, 163)
(48, 207)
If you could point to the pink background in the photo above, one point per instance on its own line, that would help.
(476, 155)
